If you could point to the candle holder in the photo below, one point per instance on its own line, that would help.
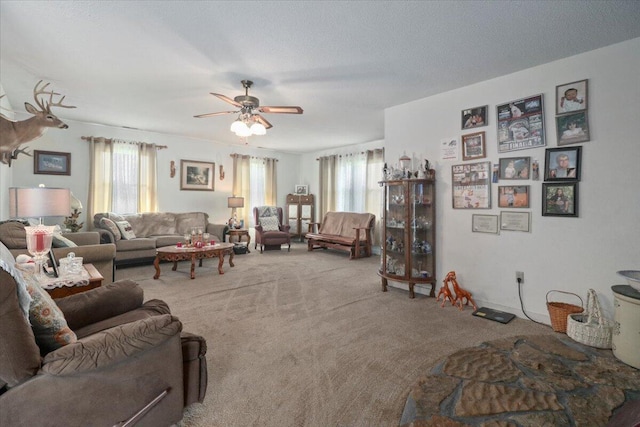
(39, 240)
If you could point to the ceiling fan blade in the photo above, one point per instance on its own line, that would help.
(227, 99)
(264, 121)
(215, 114)
(280, 110)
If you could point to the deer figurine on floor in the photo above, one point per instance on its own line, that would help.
(446, 293)
(461, 294)
(15, 133)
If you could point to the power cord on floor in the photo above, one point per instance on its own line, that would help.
(522, 304)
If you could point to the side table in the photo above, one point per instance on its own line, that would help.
(239, 233)
(95, 281)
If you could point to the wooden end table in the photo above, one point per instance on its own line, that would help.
(175, 254)
(239, 233)
(95, 281)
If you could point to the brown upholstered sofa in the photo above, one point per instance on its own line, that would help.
(14, 237)
(152, 230)
(345, 231)
(130, 361)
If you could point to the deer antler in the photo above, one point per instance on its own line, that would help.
(47, 107)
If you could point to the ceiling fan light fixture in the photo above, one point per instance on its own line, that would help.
(243, 130)
(236, 125)
(258, 129)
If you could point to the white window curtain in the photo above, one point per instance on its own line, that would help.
(123, 176)
(255, 179)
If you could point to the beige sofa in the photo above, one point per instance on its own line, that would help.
(153, 230)
(344, 231)
(14, 237)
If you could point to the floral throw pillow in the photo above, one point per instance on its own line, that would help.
(47, 320)
(126, 230)
(108, 224)
(270, 223)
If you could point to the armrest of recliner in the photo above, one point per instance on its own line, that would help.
(101, 303)
(111, 346)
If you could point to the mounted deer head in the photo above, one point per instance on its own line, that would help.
(13, 134)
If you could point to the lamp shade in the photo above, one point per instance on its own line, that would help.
(236, 202)
(38, 202)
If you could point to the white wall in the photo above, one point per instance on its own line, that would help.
(170, 197)
(570, 254)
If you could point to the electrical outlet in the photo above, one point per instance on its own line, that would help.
(520, 277)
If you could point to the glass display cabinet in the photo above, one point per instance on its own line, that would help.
(408, 252)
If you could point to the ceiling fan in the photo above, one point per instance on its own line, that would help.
(249, 122)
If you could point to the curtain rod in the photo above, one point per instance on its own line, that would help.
(254, 157)
(352, 154)
(110, 140)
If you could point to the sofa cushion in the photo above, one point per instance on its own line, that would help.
(185, 222)
(126, 230)
(162, 241)
(111, 226)
(344, 223)
(156, 224)
(135, 244)
(270, 223)
(47, 320)
(13, 235)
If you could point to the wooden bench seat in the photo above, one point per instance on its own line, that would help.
(345, 231)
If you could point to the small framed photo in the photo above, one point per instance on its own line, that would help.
(572, 97)
(572, 128)
(562, 164)
(195, 175)
(302, 190)
(51, 163)
(473, 146)
(474, 117)
(560, 199)
(514, 167)
(513, 196)
(515, 221)
(484, 223)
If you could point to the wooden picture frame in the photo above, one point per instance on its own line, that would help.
(562, 164)
(513, 196)
(473, 146)
(560, 199)
(301, 190)
(515, 221)
(572, 128)
(51, 163)
(572, 97)
(484, 224)
(471, 185)
(521, 124)
(474, 117)
(196, 175)
(514, 167)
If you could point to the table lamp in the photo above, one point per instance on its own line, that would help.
(234, 203)
(38, 203)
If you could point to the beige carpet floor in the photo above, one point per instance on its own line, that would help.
(309, 339)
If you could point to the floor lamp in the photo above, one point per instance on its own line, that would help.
(38, 203)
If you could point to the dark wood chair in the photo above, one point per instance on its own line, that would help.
(271, 233)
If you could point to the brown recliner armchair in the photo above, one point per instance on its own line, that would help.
(130, 363)
(271, 233)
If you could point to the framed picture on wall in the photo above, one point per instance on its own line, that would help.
(513, 196)
(514, 168)
(572, 97)
(484, 223)
(562, 164)
(474, 117)
(473, 146)
(572, 128)
(302, 190)
(195, 175)
(560, 199)
(51, 163)
(471, 185)
(521, 124)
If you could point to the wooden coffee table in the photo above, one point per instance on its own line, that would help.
(175, 254)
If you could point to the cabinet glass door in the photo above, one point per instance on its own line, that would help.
(422, 230)
(395, 217)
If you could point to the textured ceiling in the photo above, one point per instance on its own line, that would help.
(150, 65)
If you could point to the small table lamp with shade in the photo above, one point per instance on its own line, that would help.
(38, 203)
(234, 203)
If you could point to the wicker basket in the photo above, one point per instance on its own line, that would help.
(592, 328)
(558, 311)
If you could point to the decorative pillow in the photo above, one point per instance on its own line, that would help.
(111, 226)
(47, 320)
(270, 223)
(126, 230)
(59, 241)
